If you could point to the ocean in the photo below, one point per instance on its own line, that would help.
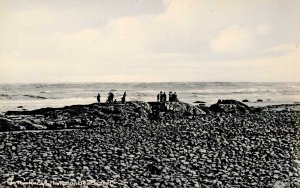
(33, 96)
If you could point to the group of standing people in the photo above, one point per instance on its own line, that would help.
(162, 97)
(110, 98)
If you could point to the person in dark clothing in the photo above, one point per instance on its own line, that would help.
(98, 98)
(164, 96)
(108, 97)
(112, 97)
(160, 96)
(170, 96)
(124, 97)
(175, 97)
(157, 97)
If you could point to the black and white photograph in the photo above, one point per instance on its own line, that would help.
(150, 93)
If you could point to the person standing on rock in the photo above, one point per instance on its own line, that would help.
(124, 97)
(157, 97)
(112, 97)
(160, 96)
(175, 97)
(98, 98)
(170, 96)
(164, 96)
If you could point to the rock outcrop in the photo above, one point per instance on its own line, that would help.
(94, 115)
(9, 125)
(231, 106)
(76, 116)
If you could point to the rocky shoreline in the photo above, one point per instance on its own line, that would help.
(153, 145)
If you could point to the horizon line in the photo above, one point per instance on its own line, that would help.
(146, 82)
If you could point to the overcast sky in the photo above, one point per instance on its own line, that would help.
(149, 40)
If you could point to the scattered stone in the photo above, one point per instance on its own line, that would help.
(221, 148)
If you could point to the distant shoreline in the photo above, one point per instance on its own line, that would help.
(41, 95)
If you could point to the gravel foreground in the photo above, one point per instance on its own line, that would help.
(215, 149)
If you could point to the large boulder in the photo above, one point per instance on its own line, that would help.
(184, 108)
(231, 106)
(142, 108)
(107, 109)
(144, 105)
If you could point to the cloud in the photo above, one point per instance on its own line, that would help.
(234, 39)
(180, 41)
(88, 35)
(282, 48)
(263, 29)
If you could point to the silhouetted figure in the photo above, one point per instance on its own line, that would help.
(157, 97)
(110, 97)
(115, 101)
(174, 97)
(170, 96)
(124, 97)
(98, 98)
(160, 96)
(164, 97)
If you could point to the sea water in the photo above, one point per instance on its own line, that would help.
(33, 96)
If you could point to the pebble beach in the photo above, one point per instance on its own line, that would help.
(124, 146)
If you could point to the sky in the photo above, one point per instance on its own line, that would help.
(149, 41)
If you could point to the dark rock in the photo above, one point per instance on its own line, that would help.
(58, 125)
(184, 108)
(143, 105)
(153, 169)
(245, 100)
(73, 122)
(9, 125)
(143, 109)
(231, 106)
(259, 100)
(119, 152)
(107, 109)
(200, 102)
(257, 109)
